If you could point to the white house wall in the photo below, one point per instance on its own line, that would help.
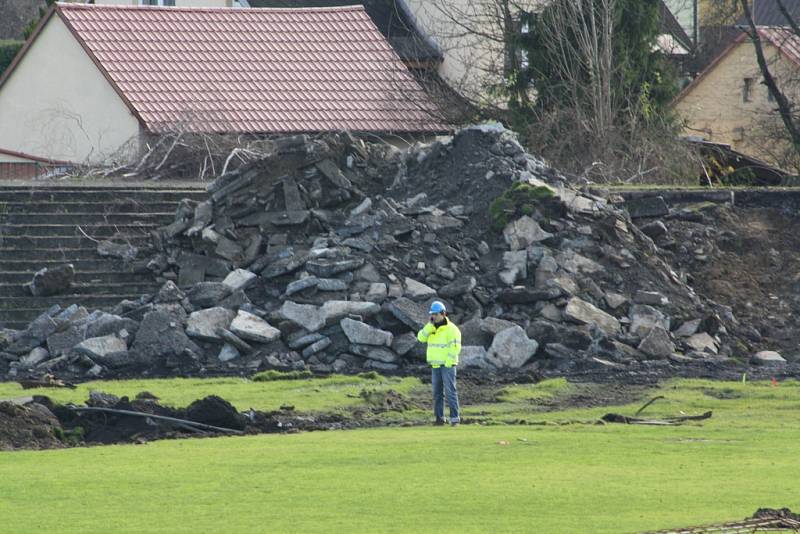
(472, 63)
(57, 105)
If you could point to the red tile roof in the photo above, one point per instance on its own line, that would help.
(253, 70)
(784, 40)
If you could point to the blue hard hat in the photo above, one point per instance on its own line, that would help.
(437, 307)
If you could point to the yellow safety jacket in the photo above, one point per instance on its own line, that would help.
(444, 343)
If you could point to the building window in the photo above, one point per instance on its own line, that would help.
(747, 90)
(157, 3)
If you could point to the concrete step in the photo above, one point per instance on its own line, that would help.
(55, 256)
(8, 265)
(95, 230)
(97, 195)
(51, 218)
(83, 276)
(58, 243)
(20, 295)
(129, 205)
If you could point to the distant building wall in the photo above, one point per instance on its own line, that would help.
(715, 107)
(57, 105)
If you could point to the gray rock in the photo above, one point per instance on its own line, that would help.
(644, 318)
(493, 326)
(328, 268)
(404, 343)
(654, 298)
(417, 290)
(413, 315)
(333, 310)
(689, 328)
(473, 356)
(646, 207)
(372, 352)
(458, 287)
(703, 342)
(228, 353)
(524, 232)
(377, 292)
(53, 281)
(583, 312)
(332, 284)
(34, 358)
(106, 323)
(527, 295)
(206, 324)
(551, 312)
(511, 349)
(317, 346)
(768, 357)
(123, 251)
(160, 334)
(207, 294)
(33, 336)
(615, 300)
(515, 267)
(305, 315)
(657, 343)
(169, 293)
(301, 285)
(654, 230)
(98, 348)
(239, 279)
(363, 334)
(61, 342)
(572, 262)
(304, 340)
(253, 328)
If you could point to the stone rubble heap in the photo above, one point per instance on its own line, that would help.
(326, 255)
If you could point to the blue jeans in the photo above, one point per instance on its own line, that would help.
(443, 380)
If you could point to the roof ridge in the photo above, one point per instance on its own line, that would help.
(110, 7)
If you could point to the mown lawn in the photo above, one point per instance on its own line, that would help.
(474, 478)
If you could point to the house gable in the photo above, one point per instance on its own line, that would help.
(718, 106)
(56, 104)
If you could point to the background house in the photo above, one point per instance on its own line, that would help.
(728, 103)
(127, 72)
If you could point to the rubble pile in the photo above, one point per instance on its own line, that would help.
(326, 254)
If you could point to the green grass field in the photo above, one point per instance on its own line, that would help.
(549, 477)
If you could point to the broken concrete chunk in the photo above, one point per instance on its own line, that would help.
(583, 312)
(511, 348)
(646, 206)
(329, 268)
(644, 318)
(524, 232)
(515, 267)
(239, 279)
(657, 343)
(653, 298)
(372, 352)
(363, 334)
(98, 348)
(417, 290)
(305, 315)
(206, 324)
(413, 315)
(123, 251)
(768, 357)
(458, 287)
(228, 353)
(47, 282)
(703, 342)
(254, 328)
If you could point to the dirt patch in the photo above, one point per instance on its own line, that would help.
(746, 258)
(32, 426)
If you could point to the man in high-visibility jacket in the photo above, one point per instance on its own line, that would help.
(444, 345)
